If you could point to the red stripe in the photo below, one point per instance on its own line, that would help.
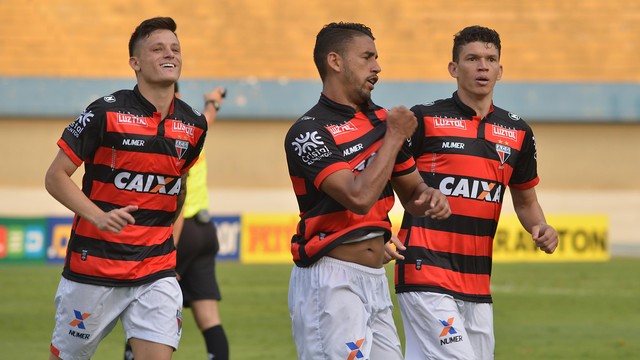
(130, 234)
(407, 164)
(509, 137)
(472, 284)
(152, 201)
(457, 127)
(299, 185)
(54, 350)
(448, 242)
(328, 171)
(338, 221)
(381, 114)
(120, 269)
(365, 154)
(474, 208)
(354, 129)
(315, 244)
(131, 124)
(67, 150)
(137, 161)
(463, 165)
(526, 185)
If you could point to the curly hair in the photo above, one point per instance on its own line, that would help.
(472, 34)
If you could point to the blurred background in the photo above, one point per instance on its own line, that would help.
(570, 70)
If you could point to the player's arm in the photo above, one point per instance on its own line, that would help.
(359, 193)
(177, 228)
(212, 102)
(418, 198)
(531, 216)
(59, 184)
(182, 194)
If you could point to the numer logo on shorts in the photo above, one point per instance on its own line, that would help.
(78, 322)
(355, 350)
(449, 330)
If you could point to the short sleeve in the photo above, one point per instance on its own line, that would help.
(83, 136)
(312, 152)
(525, 173)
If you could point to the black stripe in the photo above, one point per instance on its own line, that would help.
(143, 217)
(436, 289)
(458, 224)
(95, 280)
(121, 252)
(466, 264)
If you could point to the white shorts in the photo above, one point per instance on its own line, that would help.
(85, 314)
(437, 326)
(342, 310)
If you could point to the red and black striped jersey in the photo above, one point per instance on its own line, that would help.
(328, 138)
(131, 157)
(471, 160)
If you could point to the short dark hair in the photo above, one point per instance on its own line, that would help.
(472, 34)
(147, 27)
(334, 37)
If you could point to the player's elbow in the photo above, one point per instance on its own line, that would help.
(52, 181)
(49, 181)
(360, 206)
(363, 210)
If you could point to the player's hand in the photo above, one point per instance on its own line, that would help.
(545, 237)
(216, 94)
(115, 220)
(435, 203)
(401, 122)
(391, 252)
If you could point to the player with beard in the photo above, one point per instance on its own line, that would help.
(343, 156)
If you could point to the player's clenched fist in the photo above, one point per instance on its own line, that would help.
(401, 122)
(116, 219)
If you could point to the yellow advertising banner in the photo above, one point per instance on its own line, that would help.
(581, 238)
(266, 238)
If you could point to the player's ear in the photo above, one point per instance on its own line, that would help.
(133, 62)
(334, 60)
(453, 69)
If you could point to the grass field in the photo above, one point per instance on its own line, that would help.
(542, 311)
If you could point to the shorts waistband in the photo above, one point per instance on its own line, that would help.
(358, 267)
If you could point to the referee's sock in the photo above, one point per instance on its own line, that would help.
(217, 345)
(128, 352)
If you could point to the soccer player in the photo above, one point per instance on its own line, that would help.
(195, 262)
(341, 156)
(137, 146)
(472, 151)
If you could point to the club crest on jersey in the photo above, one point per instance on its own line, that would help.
(179, 321)
(181, 148)
(503, 152)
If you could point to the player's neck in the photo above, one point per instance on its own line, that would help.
(160, 96)
(480, 103)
